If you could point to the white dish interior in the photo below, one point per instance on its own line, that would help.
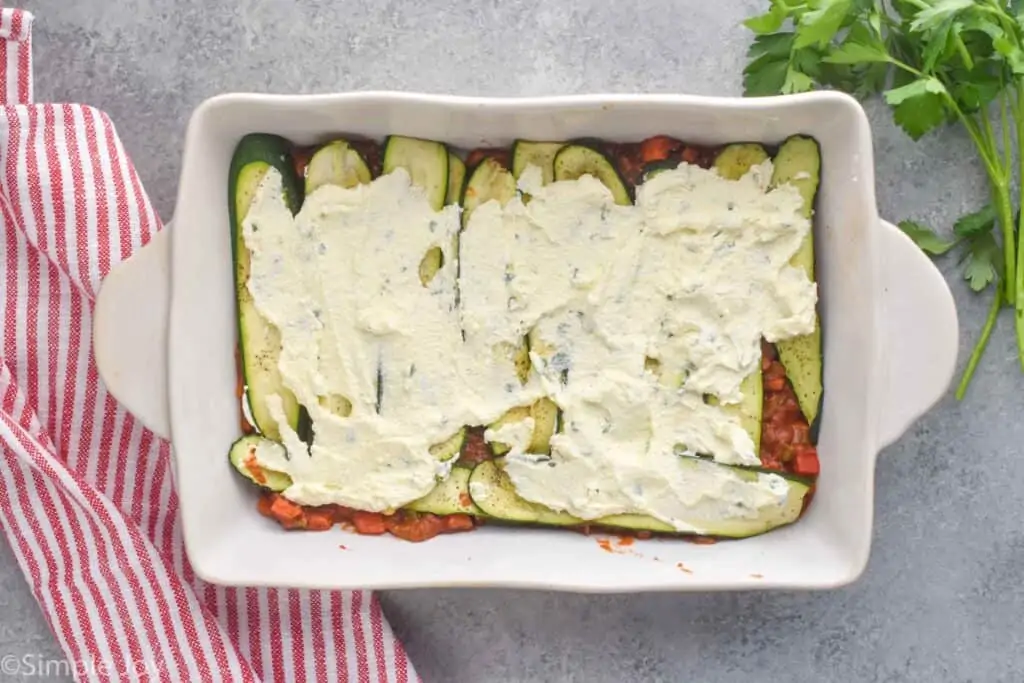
(228, 542)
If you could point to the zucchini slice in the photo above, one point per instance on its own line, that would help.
(456, 178)
(767, 518)
(431, 264)
(260, 341)
(545, 415)
(449, 497)
(733, 162)
(798, 162)
(243, 458)
(450, 447)
(574, 161)
(495, 494)
(425, 160)
(492, 491)
(751, 406)
(539, 154)
(433, 260)
(513, 415)
(489, 180)
(547, 419)
(336, 163)
(428, 164)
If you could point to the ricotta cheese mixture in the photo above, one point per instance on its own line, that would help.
(637, 317)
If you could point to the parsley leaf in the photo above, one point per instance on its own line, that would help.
(770, 21)
(796, 81)
(981, 266)
(973, 90)
(926, 238)
(940, 11)
(857, 53)
(940, 44)
(776, 45)
(918, 105)
(933, 61)
(972, 224)
(765, 76)
(820, 25)
(921, 86)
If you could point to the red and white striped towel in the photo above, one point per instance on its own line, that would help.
(86, 498)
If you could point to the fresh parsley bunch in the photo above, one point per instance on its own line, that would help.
(935, 62)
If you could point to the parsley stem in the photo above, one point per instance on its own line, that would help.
(985, 140)
(979, 348)
(964, 54)
(1003, 206)
(985, 146)
(1004, 125)
(1019, 284)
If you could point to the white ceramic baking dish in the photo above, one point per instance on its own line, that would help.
(165, 335)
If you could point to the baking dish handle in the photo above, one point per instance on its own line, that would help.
(130, 332)
(919, 335)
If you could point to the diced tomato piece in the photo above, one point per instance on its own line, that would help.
(301, 157)
(415, 527)
(691, 155)
(369, 523)
(805, 460)
(801, 433)
(319, 520)
(253, 467)
(702, 540)
(340, 513)
(264, 504)
(658, 148)
(458, 522)
(284, 510)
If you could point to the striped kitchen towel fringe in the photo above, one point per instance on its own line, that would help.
(86, 497)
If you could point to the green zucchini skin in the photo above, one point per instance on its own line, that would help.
(259, 340)
(576, 160)
(493, 492)
(798, 162)
(425, 160)
(242, 456)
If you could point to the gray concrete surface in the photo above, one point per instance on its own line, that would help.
(942, 599)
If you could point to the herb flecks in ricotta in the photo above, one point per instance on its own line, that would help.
(692, 276)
